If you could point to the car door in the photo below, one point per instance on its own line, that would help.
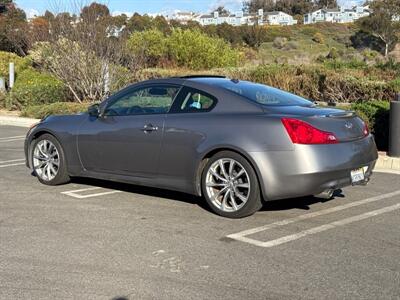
(126, 138)
(185, 128)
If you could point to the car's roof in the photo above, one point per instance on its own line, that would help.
(204, 79)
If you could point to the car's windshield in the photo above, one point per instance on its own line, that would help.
(263, 94)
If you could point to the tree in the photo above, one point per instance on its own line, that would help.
(95, 11)
(13, 28)
(254, 36)
(48, 15)
(39, 29)
(138, 22)
(5, 5)
(83, 54)
(382, 23)
(222, 10)
(327, 3)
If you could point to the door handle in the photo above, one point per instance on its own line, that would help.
(149, 128)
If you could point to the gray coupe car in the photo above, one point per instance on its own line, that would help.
(235, 143)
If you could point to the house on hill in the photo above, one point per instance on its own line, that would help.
(279, 18)
(240, 18)
(337, 15)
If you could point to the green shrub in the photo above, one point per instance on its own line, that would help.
(278, 31)
(341, 64)
(196, 50)
(34, 88)
(376, 114)
(309, 30)
(60, 108)
(6, 58)
(151, 44)
(2, 100)
(184, 48)
(319, 38)
(333, 53)
(395, 84)
(370, 54)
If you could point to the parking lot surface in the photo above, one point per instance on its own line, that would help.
(94, 239)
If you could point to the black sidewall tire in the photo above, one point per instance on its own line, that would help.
(62, 175)
(254, 203)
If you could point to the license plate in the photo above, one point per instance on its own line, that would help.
(357, 175)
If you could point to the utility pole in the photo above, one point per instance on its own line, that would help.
(394, 130)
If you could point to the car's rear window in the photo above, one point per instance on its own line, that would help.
(263, 94)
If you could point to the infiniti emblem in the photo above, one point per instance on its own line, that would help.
(348, 125)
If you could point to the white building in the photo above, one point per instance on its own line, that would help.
(183, 16)
(240, 18)
(337, 15)
(279, 18)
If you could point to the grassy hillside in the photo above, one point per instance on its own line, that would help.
(304, 44)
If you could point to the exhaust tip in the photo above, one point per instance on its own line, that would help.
(327, 194)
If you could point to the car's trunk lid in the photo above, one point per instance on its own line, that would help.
(346, 125)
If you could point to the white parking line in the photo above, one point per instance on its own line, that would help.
(11, 140)
(332, 225)
(12, 162)
(11, 165)
(75, 193)
(241, 236)
(12, 137)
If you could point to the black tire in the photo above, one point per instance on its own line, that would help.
(254, 202)
(62, 176)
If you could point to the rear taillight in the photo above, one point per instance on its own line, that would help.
(366, 129)
(301, 132)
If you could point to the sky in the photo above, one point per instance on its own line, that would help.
(37, 7)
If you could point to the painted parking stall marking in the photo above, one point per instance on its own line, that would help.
(12, 138)
(90, 192)
(12, 162)
(243, 235)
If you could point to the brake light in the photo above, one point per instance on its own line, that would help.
(301, 132)
(366, 129)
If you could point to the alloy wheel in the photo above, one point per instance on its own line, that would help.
(228, 185)
(46, 160)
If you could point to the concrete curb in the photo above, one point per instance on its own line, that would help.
(17, 121)
(384, 163)
(388, 163)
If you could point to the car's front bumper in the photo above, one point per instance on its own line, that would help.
(312, 169)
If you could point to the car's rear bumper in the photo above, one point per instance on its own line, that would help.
(312, 169)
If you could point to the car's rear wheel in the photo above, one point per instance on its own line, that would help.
(230, 185)
(48, 161)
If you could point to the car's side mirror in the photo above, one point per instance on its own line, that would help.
(94, 110)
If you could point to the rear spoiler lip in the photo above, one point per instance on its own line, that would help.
(345, 114)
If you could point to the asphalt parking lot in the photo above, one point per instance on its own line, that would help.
(93, 239)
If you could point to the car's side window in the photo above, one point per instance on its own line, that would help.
(193, 100)
(155, 99)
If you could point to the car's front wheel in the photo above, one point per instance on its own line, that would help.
(230, 185)
(48, 161)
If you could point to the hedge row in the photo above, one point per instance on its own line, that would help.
(60, 108)
(317, 82)
(6, 58)
(376, 114)
(34, 88)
